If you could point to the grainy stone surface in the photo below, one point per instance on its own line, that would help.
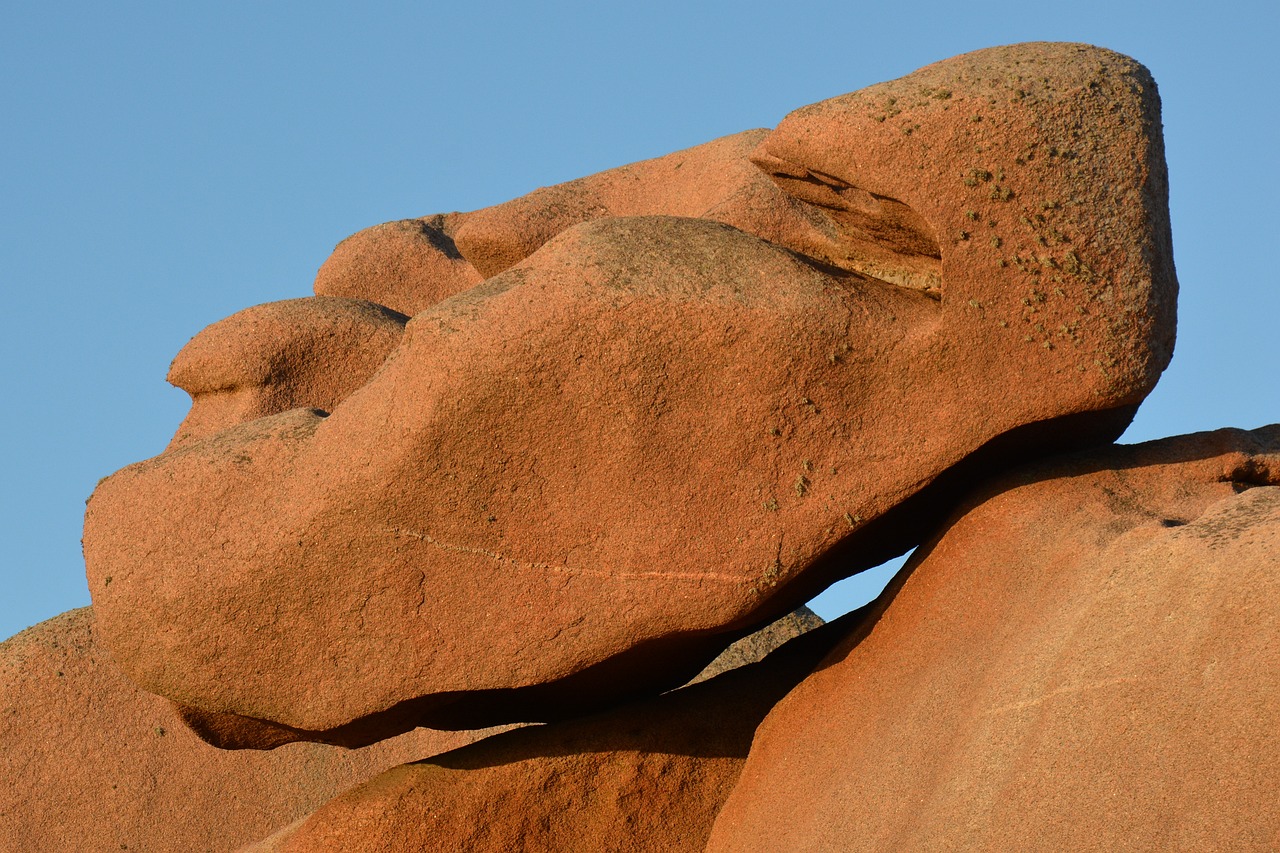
(645, 777)
(716, 180)
(407, 265)
(754, 647)
(580, 480)
(299, 353)
(88, 762)
(1087, 657)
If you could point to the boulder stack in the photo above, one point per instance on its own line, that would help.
(650, 432)
(544, 461)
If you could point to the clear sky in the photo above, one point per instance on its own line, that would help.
(163, 165)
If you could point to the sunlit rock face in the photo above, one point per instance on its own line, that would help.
(1083, 658)
(90, 762)
(673, 411)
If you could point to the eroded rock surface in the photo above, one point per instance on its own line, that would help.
(1086, 658)
(581, 479)
(646, 777)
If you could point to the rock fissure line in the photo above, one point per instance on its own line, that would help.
(521, 564)
(1063, 691)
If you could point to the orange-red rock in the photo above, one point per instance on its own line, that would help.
(89, 762)
(643, 777)
(716, 180)
(1086, 658)
(407, 265)
(271, 358)
(581, 479)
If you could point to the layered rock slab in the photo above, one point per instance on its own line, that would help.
(581, 479)
(644, 777)
(1086, 658)
(90, 762)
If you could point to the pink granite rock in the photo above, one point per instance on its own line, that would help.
(716, 180)
(271, 358)
(407, 265)
(90, 762)
(1087, 657)
(580, 480)
(644, 777)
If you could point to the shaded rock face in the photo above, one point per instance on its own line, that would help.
(754, 647)
(1085, 658)
(582, 478)
(649, 776)
(90, 762)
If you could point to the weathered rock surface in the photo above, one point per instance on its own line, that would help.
(90, 762)
(715, 180)
(645, 777)
(407, 265)
(583, 478)
(271, 358)
(1087, 658)
(754, 647)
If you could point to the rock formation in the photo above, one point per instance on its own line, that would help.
(272, 358)
(90, 762)
(407, 266)
(645, 435)
(650, 776)
(542, 462)
(1086, 657)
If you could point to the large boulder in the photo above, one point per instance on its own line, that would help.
(644, 777)
(580, 480)
(1087, 657)
(90, 762)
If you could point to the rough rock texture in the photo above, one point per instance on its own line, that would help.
(581, 479)
(271, 358)
(716, 180)
(754, 647)
(1087, 658)
(88, 762)
(645, 777)
(407, 265)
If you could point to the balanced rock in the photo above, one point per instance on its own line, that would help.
(581, 479)
(90, 762)
(645, 777)
(1086, 658)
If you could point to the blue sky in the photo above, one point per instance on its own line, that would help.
(165, 165)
